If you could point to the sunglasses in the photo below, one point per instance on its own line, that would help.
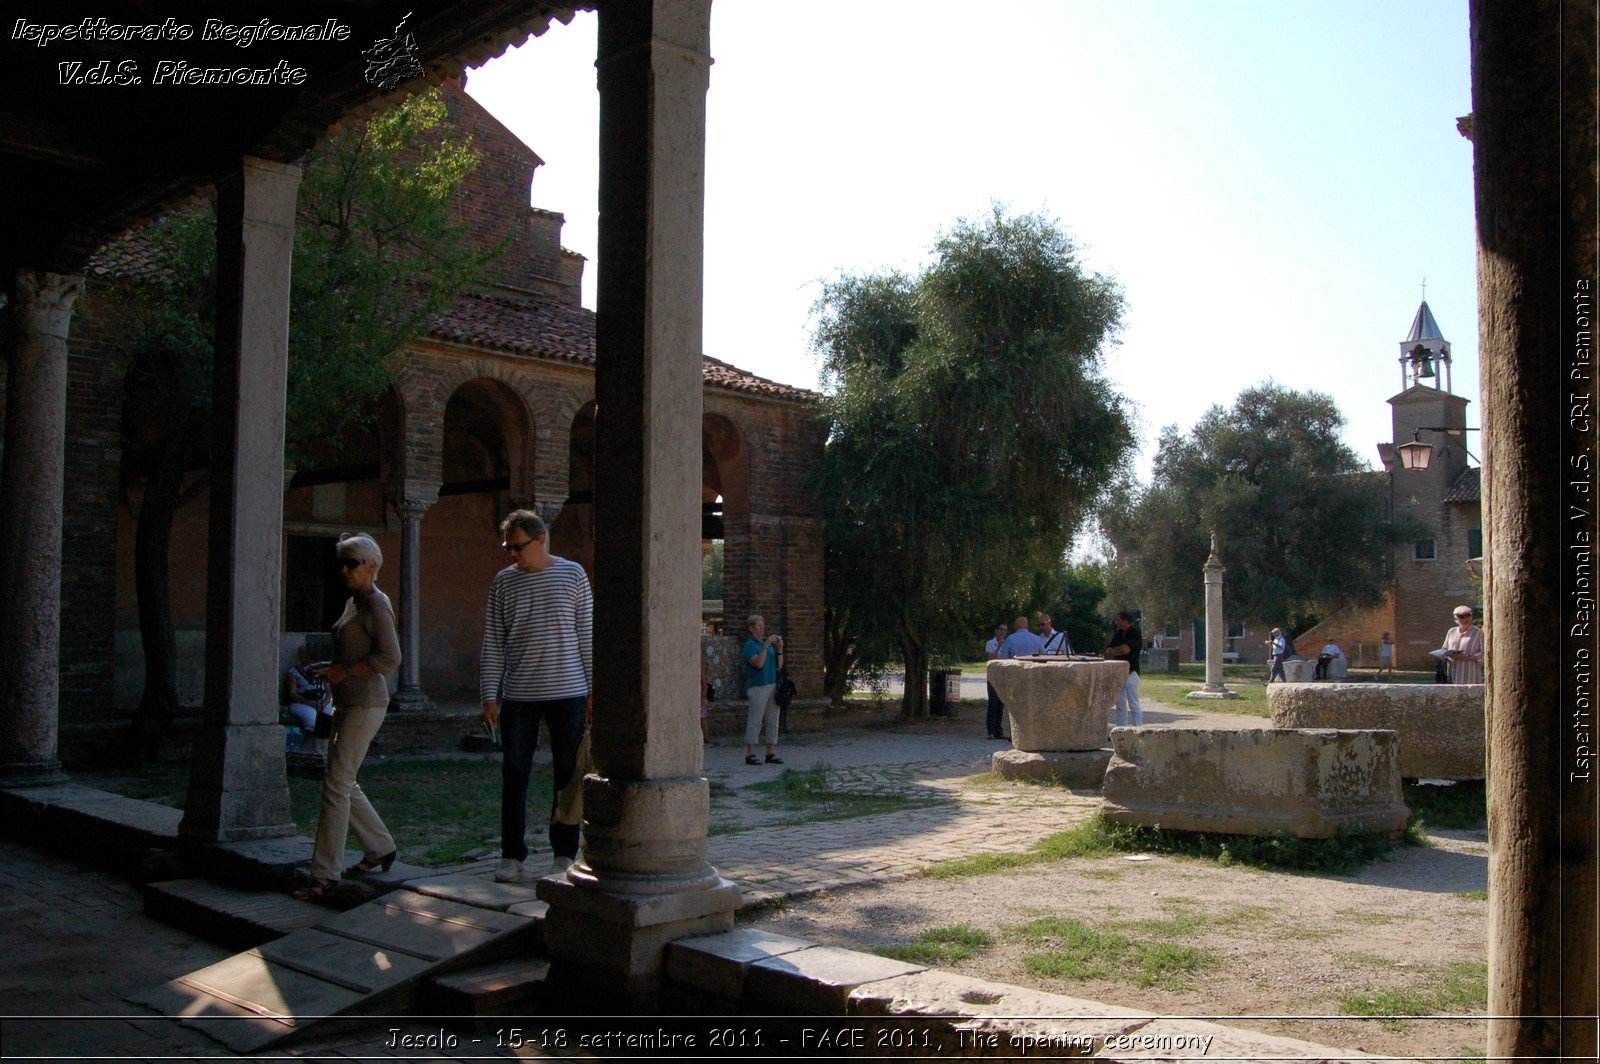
(351, 563)
(513, 548)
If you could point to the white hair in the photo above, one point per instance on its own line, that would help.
(362, 547)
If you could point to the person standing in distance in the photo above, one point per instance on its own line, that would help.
(1021, 643)
(1054, 642)
(1465, 648)
(1126, 642)
(997, 710)
(537, 664)
(1279, 647)
(761, 654)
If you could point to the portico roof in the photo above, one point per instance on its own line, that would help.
(75, 175)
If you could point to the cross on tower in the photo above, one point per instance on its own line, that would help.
(1424, 289)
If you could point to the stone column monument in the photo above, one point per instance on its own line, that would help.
(1216, 630)
(30, 519)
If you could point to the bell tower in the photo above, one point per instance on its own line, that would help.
(1426, 410)
(1438, 498)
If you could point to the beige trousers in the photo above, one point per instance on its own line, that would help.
(344, 806)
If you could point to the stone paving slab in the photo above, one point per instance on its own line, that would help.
(818, 980)
(475, 891)
(717, 964)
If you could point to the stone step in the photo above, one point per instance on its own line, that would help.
(503, 989)
(227, 915)
(368, 961)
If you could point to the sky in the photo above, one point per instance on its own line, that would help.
(1270, 181)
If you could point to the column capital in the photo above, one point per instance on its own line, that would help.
(410, 507)
(45, 300)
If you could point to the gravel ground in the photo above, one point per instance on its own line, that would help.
(1286, 945)
(1286, 948)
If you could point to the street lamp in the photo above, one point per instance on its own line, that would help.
(1416, 454)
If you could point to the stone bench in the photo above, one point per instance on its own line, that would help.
(1441, 726)
(1057, 704)
(1310, 783)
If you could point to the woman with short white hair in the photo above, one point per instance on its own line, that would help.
(364, 648)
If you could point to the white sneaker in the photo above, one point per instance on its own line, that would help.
(560, 865)
(508, 871)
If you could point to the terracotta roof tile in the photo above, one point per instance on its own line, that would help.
(529, 324)
(541, 327)
(1468, 487)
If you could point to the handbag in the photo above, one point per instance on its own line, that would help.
(786, 690)
(1440, 674)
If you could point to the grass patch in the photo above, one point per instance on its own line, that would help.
(1459, 806)
(1461, 986)
(943, 945)
(809, 796)
(1243, 680)
(1077, 950)
(1104, 873)
(1099, 837)
(437, 809)
(1187, 920)
(1472, 895)
(1370, 917)
(1367, 961)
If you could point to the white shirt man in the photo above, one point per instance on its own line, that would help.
(1054, 642)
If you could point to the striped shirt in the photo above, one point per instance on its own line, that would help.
(538, 631)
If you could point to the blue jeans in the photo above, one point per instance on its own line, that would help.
(519, 738)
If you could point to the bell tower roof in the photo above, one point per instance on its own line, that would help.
(1423, 327)
(1425, 353)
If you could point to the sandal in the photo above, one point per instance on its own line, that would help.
(371, 864)
(315, 890)
(774, 759)
(751, 759)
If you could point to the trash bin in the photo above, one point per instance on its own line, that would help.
(944, 692)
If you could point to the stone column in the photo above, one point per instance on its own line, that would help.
(30, 528)
(237, 786)
(1534, 133)
(1216, 630)
(409, 696)
(644, 879)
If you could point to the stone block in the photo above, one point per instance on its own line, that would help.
(1310, 783)
(1057, 705)
(1441, 726)
(1299, 670)
(818, 981)
(1070, 768)
(717, 963)
(1159, 659)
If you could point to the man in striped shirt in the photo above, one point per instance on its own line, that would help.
(537, 663)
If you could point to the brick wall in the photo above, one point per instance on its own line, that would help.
(95, 370)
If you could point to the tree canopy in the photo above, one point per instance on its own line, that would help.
(1302, 525)
(971, 428)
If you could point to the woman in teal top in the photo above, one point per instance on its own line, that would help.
(761, 653)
